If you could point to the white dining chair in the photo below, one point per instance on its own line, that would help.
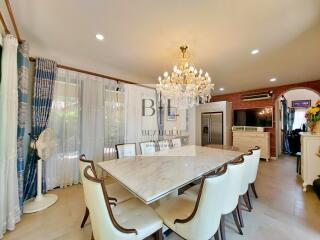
(231, 200)
(254, 167)
(176, 142)
(147, 147)
(117, 193)
(196, 219)
(131, 220)
(126, 150)
(247, 160)
(164, 145)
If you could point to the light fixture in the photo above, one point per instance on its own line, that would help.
(221, 89)
(273, 80)
(255, 51)
(185, 86)
(99, 36)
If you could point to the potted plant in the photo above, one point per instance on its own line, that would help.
(313, 117)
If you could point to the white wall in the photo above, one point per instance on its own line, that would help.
(192, 125)
(301, 94)
(195, 120)
(178, 124)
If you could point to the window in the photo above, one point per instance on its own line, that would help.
(299, 118)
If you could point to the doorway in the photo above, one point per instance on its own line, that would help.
(290, 109)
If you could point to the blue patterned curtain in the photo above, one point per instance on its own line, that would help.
(44, 76)
(23, 76)
(285, 145)
(291, 119)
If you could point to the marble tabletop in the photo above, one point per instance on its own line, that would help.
(153, 176)
(220, 146)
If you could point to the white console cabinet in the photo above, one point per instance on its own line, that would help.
(246, 140)
(310, 158)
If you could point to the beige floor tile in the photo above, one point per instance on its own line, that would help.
(282, 211)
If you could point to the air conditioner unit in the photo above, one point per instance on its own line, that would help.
(256, 96)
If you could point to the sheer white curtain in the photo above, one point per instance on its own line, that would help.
(136, 124)
(63, 166)
(9, 198)
(87, 117)
(114, 121)
(100, 117)
(92, 129)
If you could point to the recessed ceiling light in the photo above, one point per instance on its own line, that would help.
(273, 80)
(99, 36)
(221, 89)
(255, 51)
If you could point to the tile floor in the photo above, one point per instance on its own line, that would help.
(282, 211)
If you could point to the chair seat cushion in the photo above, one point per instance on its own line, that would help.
(179, 207)
(115, 190)
(193, 192)
(135, 214)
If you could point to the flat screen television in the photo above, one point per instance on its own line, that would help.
(253, 117)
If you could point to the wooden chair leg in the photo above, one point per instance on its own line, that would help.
(222, 228)
(85, 217)
(240, 214)
(254, 190)
(158, 235)
(249, 200)
(246, 201)
(92, 237)
(236, 220)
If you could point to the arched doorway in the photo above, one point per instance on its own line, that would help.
(296, 119)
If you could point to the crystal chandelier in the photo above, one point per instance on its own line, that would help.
(185, 86)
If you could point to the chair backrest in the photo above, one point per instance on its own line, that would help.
(83, 163)
(233, 186)
(176, 142)
(247, 161)
(254, 166)
(147, 147)
(103, 223)
(164, 145)
(205, 219)
(126, 150)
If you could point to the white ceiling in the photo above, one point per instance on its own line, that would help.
(142, 37)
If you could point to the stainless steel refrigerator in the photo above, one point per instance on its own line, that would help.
(212, 128)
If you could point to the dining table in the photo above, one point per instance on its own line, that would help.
(221, 146)
(155, 175)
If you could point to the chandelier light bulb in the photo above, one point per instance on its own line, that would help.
(185, 85)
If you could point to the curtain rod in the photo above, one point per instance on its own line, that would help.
(4, 24)
(13, 21)
(32, 59)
